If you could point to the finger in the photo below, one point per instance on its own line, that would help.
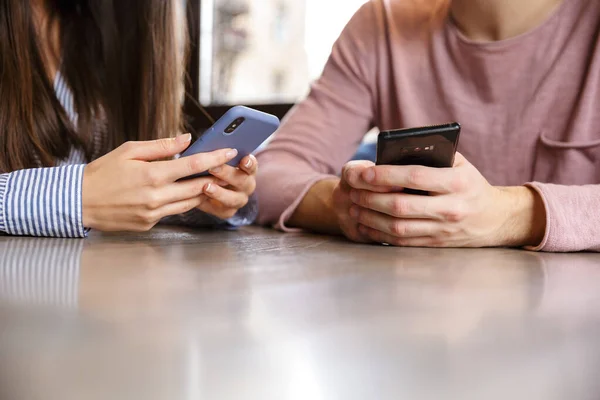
(228, 198)
(397, 227)
(235, 177)
(437, 180)
(155, 149)
(352, 177)
(350, 230)
(380, 237)
(178, 191)
(181, 207)
(401, 205)
(249, 165)
(173, 170)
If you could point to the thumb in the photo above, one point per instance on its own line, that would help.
(156, 149)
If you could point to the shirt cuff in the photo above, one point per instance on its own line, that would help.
(538, 190)
(572, 222)
(44, 202)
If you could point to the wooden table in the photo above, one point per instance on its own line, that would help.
(256, 314)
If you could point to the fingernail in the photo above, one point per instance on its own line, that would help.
(354, 196)
(210, 189)
(216, 170)
(181, 139)
(354, 213)
(248, 163)
(232, 153)
(369, 175)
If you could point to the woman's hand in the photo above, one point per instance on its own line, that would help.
(463, 210)
(126, 190)
(233, 188)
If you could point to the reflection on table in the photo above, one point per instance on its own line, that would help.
(257, 314)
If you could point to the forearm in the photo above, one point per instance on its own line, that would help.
(525, 217)
(316, 210)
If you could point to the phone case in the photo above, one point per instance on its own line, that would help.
(432, 146)
(254, 131)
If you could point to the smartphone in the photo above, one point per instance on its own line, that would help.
(241, 128)
(432, 146)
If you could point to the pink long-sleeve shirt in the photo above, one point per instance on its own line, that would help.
(529, 107)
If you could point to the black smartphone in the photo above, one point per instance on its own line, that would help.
(432, 146)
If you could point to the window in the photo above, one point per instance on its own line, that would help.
(262, 51)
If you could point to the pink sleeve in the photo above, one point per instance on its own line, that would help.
(321, 133)
(573, 218)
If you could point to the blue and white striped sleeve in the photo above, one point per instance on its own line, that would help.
(42, 202)
(198, 219)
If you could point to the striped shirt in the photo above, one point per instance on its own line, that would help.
(47, 202)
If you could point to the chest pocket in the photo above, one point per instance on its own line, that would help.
(567, 163)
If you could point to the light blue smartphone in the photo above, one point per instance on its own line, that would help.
(241, 128)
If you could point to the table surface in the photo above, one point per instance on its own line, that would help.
(256, 314)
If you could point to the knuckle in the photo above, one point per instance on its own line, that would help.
(195, 165)
(221, 158)
(152, 177)
(365, 199)
(399, 243)
(459, 183)
(400, 207)
(165, 144)
(152, 201)
(399, 229)
(127, 147)
(415, 176)
(147, 217)
(456, 214)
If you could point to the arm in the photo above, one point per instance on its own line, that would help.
(316, 212)
(320, 135)
(42, 202)
(572, 215)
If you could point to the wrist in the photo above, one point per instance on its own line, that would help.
(316, 211)
(525, 223)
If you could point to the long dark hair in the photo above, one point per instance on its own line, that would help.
(122, 60)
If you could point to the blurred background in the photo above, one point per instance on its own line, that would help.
(261, 53)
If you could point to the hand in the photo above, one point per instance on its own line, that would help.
(342, 202)
(233, 189)
(463, 210)
(126, 191)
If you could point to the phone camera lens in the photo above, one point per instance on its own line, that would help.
(234, 125)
